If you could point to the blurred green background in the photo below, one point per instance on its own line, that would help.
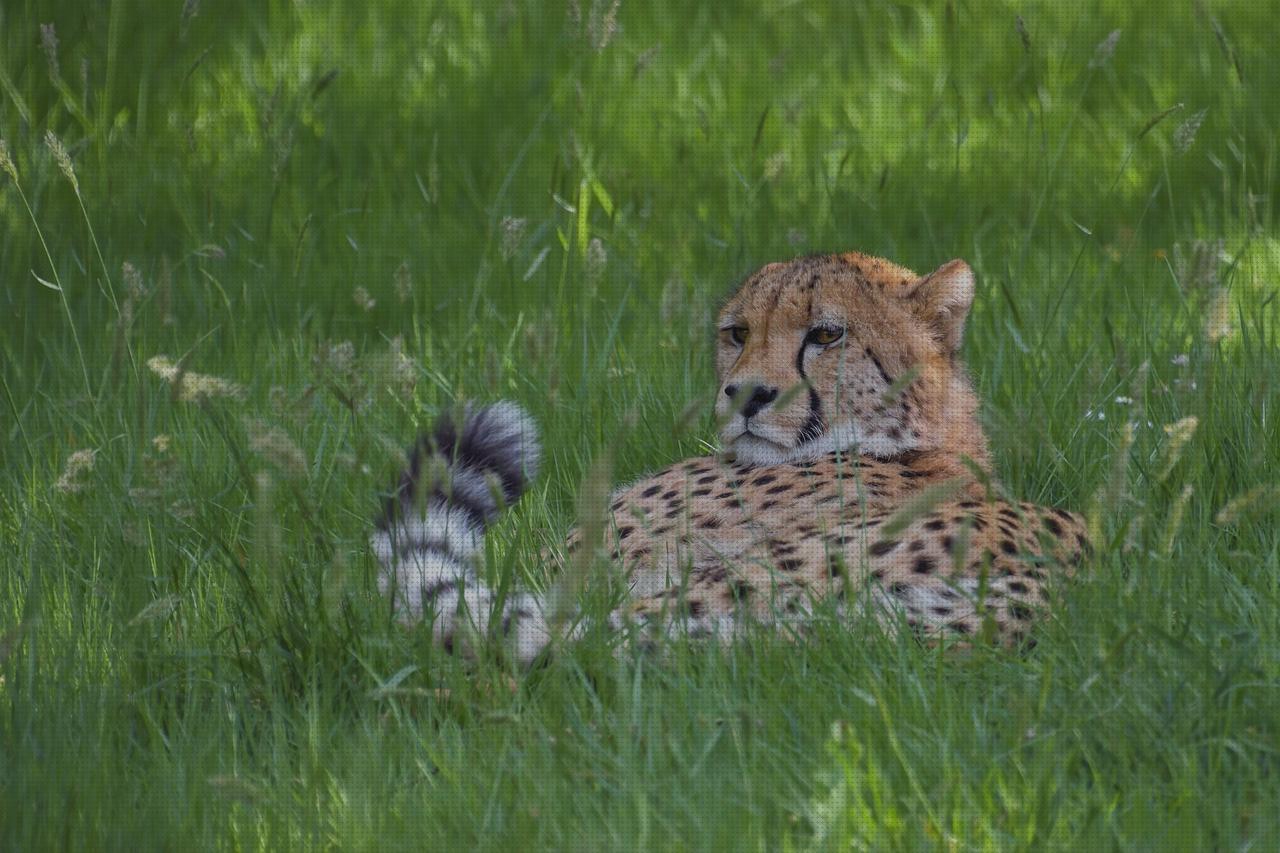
(340, 217)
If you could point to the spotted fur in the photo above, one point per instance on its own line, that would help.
(855, 468)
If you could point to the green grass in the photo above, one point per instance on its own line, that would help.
(192, 647)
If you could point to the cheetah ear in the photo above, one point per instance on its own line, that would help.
(943, 298)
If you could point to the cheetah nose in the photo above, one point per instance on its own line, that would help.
(760, 397)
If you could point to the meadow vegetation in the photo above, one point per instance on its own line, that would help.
(249, 248)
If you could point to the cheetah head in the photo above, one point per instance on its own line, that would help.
(846, 352)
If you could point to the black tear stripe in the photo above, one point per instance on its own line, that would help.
(812, 428)
(880, 367)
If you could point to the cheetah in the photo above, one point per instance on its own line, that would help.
(853, 466)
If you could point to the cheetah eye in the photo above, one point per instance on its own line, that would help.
(824, 336)
(738, 334)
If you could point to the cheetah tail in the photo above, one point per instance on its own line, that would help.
(460, 477)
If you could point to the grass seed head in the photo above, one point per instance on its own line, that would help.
(392, 369)
(403, 282)
(78, 466)
(1179, 434)
(1217, 320)
(1197, 264)
(157, 610)
(1259, 499)
(363, 300)
(774, 165)
(134, 291)
(597, 260)
(513, 228)
(62, 158)
(274, 445)
(163, 366)
(1185, 136)
(49, 44)
(1175, 520)
(336, 358)
(199, 386)
(403, 370)
(194, 387)
(132, 280)
(6, 161)
(1105, 50)
(602, 25)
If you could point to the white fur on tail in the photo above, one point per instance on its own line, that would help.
(460, 477)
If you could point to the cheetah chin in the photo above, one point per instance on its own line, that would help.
(752, 449)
